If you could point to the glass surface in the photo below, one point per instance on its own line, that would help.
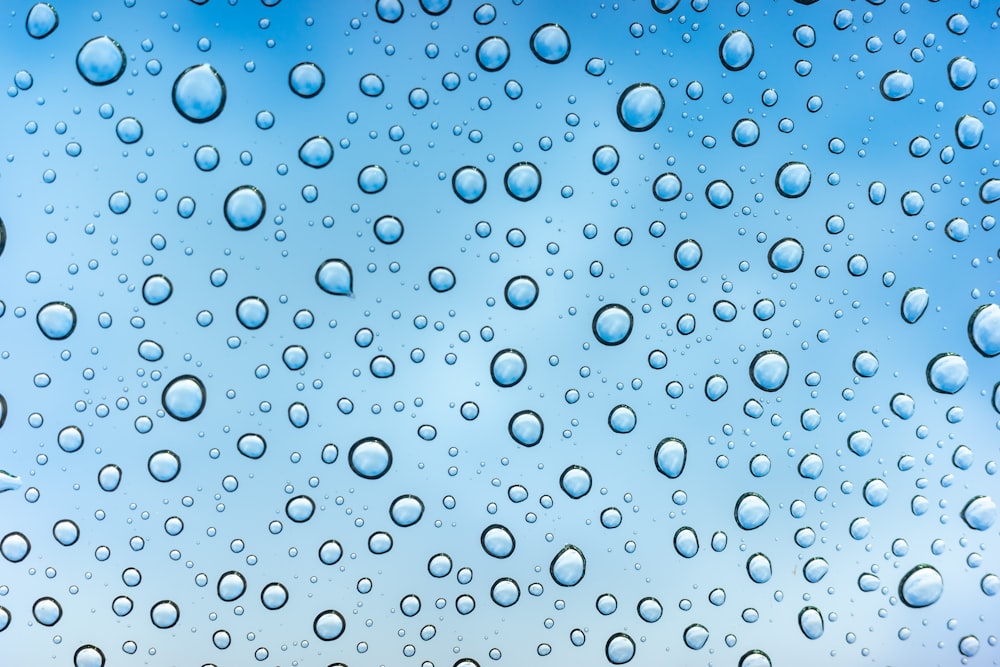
(434, 332)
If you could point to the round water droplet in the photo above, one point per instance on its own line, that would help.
(620, 648)
(752, 511)
(921, 587)
(989, 192)
(769, 370)
(274, 596)
(157, 289)
(382, 366)
(232, 585)
(696, 636)
(947, 373)
(66, 532)
(184, 397)
(406, 510)
(575, 481)
(508, 368)
(300, 508)
(815, 569)
(329, 625)
(969, 131)
(640, 107)
(371, 85)
(759, 568)
(441, 279)
(388, 229)
(736, 50)
(372, 179)
(550, 43)
(252, 312)
(15, 547)
(505, 592)
(605, 159)
(129, 130)
(101, 61)
(47, 611)
(980, 513)
(622, 419)
(716, 387)
(370, 458)
(521, 292)
(865, 364)
(56, 320)
(670, 457)
(746, 132)
(569, 566)
(687, 254)
(984, 330)
(649, 609)
(493, 53)
(725, 311)
(523, 181)
(88, 656)
(109, 477)
(793, 179)
(526, 428)
(719, 194)
(306, 79)
(497, 541)
(961, 73)
(334, 276)
(896, 85)
(251, 445)
(164, 465)
(667, 186)
(914, 304)
(199, 93)
(42, 20)
(165, 614)
(244, 208)
(612, 324)
(316, 152)
(786, 255)
(469, 184)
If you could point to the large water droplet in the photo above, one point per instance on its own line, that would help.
(469, 184)
(316, 152)
(550, 43)
(199, 93)
(984, 330)
(947, 373)
(370, 458)
(101, 61)
(640, 107)
(896, 85)
(719, 194)
(56, 320)
(670, 457)
(521, 292)
(980, 513)
(184, 397)
(969, 131)
(605, 159)
(493, 53)
(736, 50)
(921, 587)
(508, 368)
(752, 511)
(334, 276)
(42, 20)
(612, 324)
(667, 186)
(575, 481)
(523, 181)
(164, 465)
(769, 370)
(497, 541)
(329, 625)
(811, 622)
(165, 614)
(619, 649)
(786, 255)
(961, 73)
(696, 636)
(306, 79)
(686, 542)
(793, 179)
(914, 304)
(569, 566)
(244, 208)
(526, 428)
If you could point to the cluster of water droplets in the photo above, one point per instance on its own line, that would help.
(684, 379)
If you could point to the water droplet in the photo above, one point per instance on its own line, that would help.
(860, 441)
(129, 130)
(334, 276)
(521, 292)
(56, 320)
(746, 132)
(896, 85)
(769, 370)
(389, 11)
(947, 373)
(199, 93)
(716, 387)
(686, 542)
(493, 53)
(329, 625)
(736, 50)
(88, 656)
(406, 510)
(969, 131)
(786, 255)
(605, 159)
(388, 229)
(244, 208)
(550, 43)
(961, 73)
(759, 568)
(984, 330)
(315, 152)
(505, 592)
(497, 541)
(526, 428)
(370, 458)
(109, 477)
(508, 367)
(612, 324)
(42, 20)
(719, 194)
(914, 304)
(640, 107)
(101, 61)
(156, 290)
(15, 547)
(66, 532)
(184, 397)
(523, 181)
(670, 457)
(811, 622)
(164, 465)
(667, 186)
(980, 513)
(921, 587)
(300, 508)
(252, 312)
(371, 85)
(231, 586)
(620, 648)
(469, 184)
(306, 79)
(696, 636)
(274, 596)
(441, 279)
(575, 481)
(793, 179)
(865, 364)
(752, 511)
(165, 614)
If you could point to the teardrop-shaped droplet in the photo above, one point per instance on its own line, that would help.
(569, 566)
(334, 276)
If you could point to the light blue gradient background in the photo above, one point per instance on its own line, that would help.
(859, 313)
